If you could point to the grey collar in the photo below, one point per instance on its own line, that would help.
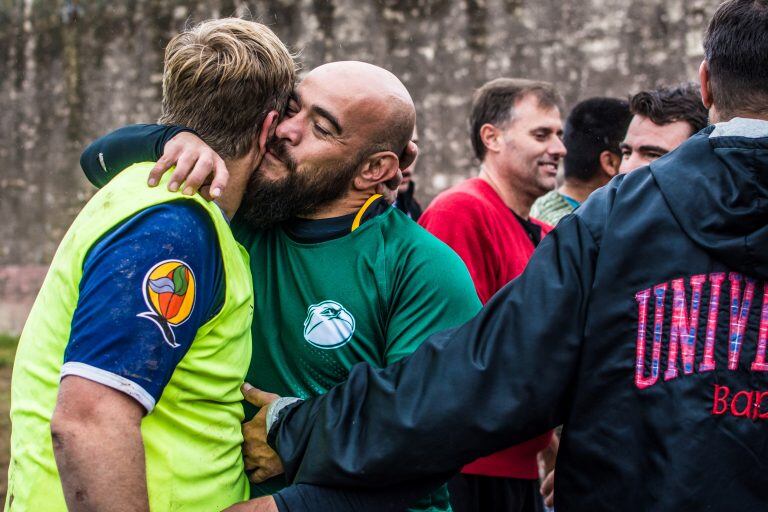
(741, 127)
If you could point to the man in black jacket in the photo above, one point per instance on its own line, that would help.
(640, 324)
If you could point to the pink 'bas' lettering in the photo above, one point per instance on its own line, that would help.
(720, 402)
(743, 404)
(759, 397)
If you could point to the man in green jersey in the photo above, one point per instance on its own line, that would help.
(126, 385)
(340, 277)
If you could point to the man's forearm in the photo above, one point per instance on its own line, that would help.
(100, 458)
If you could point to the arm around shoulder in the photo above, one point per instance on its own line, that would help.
(501, 378)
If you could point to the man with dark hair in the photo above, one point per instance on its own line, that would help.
(640, 324)
(593, 131)
(663, 119)
(516, 131)
(735, 61)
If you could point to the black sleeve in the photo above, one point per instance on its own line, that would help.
(104, 158)
(311, 498)
(500, 379)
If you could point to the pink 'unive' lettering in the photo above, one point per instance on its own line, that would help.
(716, 285)
(739, 316)
(685, 326)
(659, 291)
(683, 335)
(759, 364)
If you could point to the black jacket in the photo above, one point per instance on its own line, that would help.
(560, 345)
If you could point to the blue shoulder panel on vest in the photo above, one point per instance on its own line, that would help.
(147, 286)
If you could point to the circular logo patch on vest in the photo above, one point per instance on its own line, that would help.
(328, 325)
(169, 292)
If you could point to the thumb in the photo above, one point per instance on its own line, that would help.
(256, 396)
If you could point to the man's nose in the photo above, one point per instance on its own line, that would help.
(289, 129)
(557, 148)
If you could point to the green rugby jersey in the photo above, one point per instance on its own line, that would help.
(371, 296)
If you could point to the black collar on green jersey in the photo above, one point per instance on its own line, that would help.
(313, 231)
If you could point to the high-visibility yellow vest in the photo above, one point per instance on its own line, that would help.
(192, 438)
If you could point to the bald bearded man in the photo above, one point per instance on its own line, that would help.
(340, 277)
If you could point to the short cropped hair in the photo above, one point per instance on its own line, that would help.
(736, 50)
(665, 105)
(494, 103)
(222, 77)
(593, 126)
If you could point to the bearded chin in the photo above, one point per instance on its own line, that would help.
(265, 203)
(302, 193)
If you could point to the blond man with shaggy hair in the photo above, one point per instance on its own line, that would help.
(222, 78)
(125, 391)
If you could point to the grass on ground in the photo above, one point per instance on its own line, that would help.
(7, 349)
(7, 352)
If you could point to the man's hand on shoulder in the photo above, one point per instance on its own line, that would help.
(198, 167)
(263, 504)
(389, 188)
(261, 461)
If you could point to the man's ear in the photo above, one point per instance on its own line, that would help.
(377, 168)
(706, 86)
(491, 136)
(610, 163)
(268, 127)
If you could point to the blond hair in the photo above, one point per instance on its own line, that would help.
(222, 77)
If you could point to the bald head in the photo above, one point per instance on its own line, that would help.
(376, 101)
(342, 136)
(363, 77)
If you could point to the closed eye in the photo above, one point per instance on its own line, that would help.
(322, 131)
(292, 109)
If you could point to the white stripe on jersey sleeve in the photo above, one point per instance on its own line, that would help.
(111, 380)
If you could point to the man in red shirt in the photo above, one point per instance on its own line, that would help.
(516, 134)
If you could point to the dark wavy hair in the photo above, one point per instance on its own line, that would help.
(665, 105)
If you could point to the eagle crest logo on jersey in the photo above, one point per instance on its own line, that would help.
(169, 291)
(328, 325)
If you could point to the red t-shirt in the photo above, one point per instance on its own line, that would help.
(473, 220)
